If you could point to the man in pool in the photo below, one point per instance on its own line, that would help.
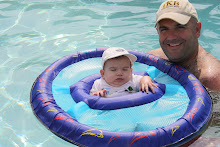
(179, 29)
(117, 78)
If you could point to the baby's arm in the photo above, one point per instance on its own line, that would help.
(146, 82)
(97, 89)
(101, 93)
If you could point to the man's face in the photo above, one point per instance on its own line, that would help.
(179, 42)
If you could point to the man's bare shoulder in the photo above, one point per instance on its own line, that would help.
(158, 52)
(210, 75)
(211, 81)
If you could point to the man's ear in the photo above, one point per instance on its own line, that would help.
(131, 69)
(102, 72)
(198, 29)
(157, 28)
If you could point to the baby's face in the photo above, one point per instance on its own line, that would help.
(117, 71)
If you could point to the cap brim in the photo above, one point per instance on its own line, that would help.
(177, 17)
(131, 57)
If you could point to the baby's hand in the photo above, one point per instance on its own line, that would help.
(102, 93)
(146, 82)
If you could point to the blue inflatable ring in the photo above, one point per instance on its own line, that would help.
(186, 128)
(80, 92)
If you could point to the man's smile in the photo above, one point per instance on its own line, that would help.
(173, 44)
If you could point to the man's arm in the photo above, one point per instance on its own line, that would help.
(158, 52)
(212, 83)
(210, 71)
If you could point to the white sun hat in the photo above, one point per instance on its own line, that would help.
(178, 10)
(116, 52)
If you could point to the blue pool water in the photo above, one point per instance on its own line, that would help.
(35, 33)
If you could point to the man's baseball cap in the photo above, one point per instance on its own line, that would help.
(177, 10)
(116, 52)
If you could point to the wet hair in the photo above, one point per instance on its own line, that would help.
(194, 21)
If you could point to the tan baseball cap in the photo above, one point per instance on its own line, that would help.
(178, 10)
(116, 52)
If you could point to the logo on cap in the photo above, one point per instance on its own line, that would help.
(171, 3)
(120, 50)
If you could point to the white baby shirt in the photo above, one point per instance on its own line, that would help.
(129, 87)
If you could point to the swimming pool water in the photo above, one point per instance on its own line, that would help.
(35, 33)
